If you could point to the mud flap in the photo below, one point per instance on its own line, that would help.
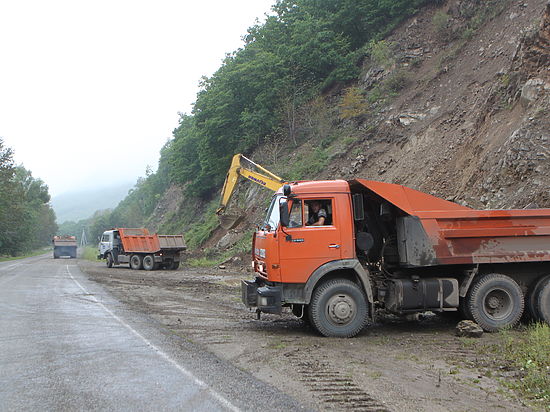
(249, 294)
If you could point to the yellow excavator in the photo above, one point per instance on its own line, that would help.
(241, 166)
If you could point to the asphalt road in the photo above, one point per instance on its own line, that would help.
(65, 344)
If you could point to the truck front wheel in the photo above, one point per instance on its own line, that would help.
(338, 308)
(136, 262)
(109, 260)
(149, 262)
(495, 302)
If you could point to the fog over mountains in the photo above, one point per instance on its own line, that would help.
(73, 206)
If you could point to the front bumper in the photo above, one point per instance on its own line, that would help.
(267, 299)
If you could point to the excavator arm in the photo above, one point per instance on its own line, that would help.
(241, 166)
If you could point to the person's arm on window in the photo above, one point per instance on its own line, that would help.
(321, 217)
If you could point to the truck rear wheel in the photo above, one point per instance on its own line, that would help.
(495, 302)
(531, 310)
(543, 301)
(149, 262)
(136, 262)
(173, 265)
(338, 308)
(109, 260)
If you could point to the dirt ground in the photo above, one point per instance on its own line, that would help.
(393, 365)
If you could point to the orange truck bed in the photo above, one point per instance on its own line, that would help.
(139, 240)
(433, 231)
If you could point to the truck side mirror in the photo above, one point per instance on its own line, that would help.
(283, 213)
(287, 190)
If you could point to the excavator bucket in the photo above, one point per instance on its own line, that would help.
(230, 221)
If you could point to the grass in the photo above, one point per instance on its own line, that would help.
(212, 258)
(26, 255)
(202, 230)
(529, 353)
(309, 164)
(90, 253)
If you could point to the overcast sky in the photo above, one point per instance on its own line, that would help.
(90, 90)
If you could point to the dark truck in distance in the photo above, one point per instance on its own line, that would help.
(388, 247)
(64, 246)
(140, 249)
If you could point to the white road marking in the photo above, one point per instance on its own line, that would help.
(221, 399)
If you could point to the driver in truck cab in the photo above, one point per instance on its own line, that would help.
(317, 215)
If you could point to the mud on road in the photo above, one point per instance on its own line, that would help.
(393, 365)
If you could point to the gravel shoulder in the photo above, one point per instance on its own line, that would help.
(395, 364)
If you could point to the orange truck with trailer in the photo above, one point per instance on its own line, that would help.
(384, 246)
(140, 249)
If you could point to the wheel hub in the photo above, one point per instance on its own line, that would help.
(493, 302)
(341, 308)
(498, 303)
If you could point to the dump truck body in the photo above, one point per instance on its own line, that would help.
(140, 249)
(388, 247)
(64, 246)
(432, 231)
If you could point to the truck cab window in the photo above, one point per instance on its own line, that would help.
(319, 212)
(296, 214)
(272, 218)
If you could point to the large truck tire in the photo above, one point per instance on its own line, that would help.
(149, 262)
(531, 310)
(495, 302)
(543, 301)
(338, 308)
(173, 265)
(136, 262)
(109, 260)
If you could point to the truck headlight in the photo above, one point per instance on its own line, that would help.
(262, 301)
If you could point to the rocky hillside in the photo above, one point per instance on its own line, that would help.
(454, 101)
(473, 123)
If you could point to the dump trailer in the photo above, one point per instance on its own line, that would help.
(140, 249)
(337, 252)
(64, 246)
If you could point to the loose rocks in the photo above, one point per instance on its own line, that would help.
(469, 329)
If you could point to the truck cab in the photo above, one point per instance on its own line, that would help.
(389, 247)
(105, 243)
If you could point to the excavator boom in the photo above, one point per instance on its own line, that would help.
(241, 166)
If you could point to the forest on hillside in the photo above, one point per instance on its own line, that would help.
(304, 49)
(27, 220)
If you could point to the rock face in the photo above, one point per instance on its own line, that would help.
(469, 329)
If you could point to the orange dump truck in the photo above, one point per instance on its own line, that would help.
(141, 249)
(336, 252)
(64, 246)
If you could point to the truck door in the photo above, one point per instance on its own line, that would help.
(312, 238)
(105, 243)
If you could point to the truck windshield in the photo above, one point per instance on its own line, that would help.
(272, 218)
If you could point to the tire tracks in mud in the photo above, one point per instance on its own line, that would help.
(334, 389)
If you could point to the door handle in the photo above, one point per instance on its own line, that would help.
(334, 246)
